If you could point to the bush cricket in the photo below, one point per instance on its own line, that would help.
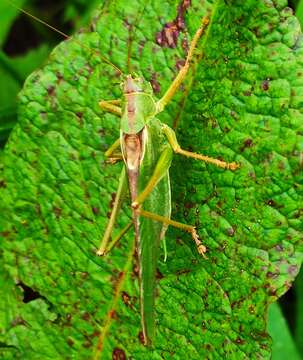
(146, 147)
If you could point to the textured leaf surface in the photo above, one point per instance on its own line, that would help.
(242, 102)
(13, 72)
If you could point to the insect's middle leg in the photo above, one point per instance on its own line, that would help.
(171, 136)
(188, 228)
(116, 207)
(183, 72)
(111, 153)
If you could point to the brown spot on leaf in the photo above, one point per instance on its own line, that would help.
(240, 341)
(292, 269)
(136, 270)
(189, 205)
(141, 46)
(18, 321)
(84, 275)
(59, 76)
(155, 83)
(183, 272)
(87, 344)
(230, 231)
(95, 210)
(168, 36)
(265, 85)
(185, 45)
(180, 63)
(2, 184)
(51, 90)
(141, 337)
(113, 197)
(79, 115)
(125, 298)
(112, 314)
(271, 275)
(247, 93)
(57, 212)
(208, 347)
(279, 247)
(111, 204)
(5, 233)
(86, 316)
(271, 202)
(251, 309)
(118, 354)
(159, 275)
(70, 342)
(95, 334)
(246, 144)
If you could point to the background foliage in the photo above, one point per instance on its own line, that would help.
(25, 44)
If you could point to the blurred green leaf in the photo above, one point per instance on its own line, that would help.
(284, 346)
(299, 11)
(13, 72)
(8, 13)
(79, 11)
(299, 312)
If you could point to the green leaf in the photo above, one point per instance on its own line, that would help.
(283, 344)
(241, 102)
(299, 311)
(299, 11)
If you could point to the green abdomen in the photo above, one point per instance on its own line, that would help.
(150, 231)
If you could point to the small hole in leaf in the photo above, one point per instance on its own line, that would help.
(29, 294)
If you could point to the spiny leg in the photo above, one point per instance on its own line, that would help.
(188, 228)
(112, 148)
(116, 207)
(111, 155)
(118, 237)
(183, 72)
(161, 168)
(111, 106)
(171, 136)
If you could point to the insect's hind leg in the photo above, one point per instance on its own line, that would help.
(188, 228)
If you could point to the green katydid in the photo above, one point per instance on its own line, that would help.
(147, 146)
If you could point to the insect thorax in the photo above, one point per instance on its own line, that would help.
(139, 105)
(138, 110)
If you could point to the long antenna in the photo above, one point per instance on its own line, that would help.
(64, 35)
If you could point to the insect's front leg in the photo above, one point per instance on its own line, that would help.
(171, 136)
(111, 106)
